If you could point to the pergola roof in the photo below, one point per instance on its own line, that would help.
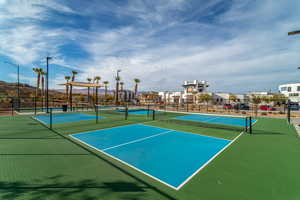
(81, 84)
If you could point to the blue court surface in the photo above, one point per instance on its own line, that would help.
(169, 156)
(63, 118)
(215, 119)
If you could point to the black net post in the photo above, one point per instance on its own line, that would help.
(250, 125)
(97, 114)
(246, 124)
(148, 109)
(153, 114)
(126, 112)
(187, 107)
(51, 117)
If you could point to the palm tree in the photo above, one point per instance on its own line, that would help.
(205, 98)
(255, 100)
(71, 87)
(232, 97)
(136, 81)
(67, 78)
(89, 80)
(105, 85)
(117, 89)
(97, 79)
(38, 72)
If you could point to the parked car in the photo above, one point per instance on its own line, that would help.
(227, 106)
(241, 106)
(294, 106)
(267, 107)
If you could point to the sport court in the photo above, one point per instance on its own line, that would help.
(64, 118)
(169, 156)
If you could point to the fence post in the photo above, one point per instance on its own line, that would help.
(51, 116)
(34, 99)
(250, 125)
(153, 114)
(97, 114)
(289, 112)
(246, 127)
(126, 112)
(12, 107)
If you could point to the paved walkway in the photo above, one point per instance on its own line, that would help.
(296, 122)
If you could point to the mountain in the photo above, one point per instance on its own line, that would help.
(85, 91)
(11, 90)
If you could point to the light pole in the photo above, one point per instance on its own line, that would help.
(117, 87)
(47, 84)
(294, 32)
(18, 84)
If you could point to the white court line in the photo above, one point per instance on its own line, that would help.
(138, 140)
(157, 179)
(125, 163)
(205, 164)
(42, 122)
(102, 129)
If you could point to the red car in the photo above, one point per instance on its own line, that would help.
(266, 107)
(227, 106)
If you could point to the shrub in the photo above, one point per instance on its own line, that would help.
(264, 113)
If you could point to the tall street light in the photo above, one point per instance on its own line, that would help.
(47, 84)
(117, 87)
(294, 33)
(18, 69)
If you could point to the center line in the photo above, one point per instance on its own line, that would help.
(138, 140)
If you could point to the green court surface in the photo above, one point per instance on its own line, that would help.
(38, 163)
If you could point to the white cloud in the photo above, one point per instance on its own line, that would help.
(245, 48)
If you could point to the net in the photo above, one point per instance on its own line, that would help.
(164, 118)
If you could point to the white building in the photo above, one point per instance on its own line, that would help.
(171, 97)
(223, 98)
(187, 96)
(292, 91)
(195, 86)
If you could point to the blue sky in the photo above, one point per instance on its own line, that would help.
(236, 45)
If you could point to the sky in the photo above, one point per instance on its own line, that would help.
(236, 45)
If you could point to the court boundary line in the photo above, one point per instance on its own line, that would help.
(188, 132)
(153, 177)
(42, 122)
(209, 161)
(34, 118)
(113, 127)
(125, 163)
(137, 140)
